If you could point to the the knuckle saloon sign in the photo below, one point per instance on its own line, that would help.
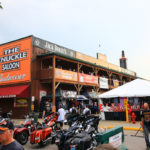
(15, 61)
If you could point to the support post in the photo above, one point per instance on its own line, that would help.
(109, 74)
(53, 85)
(120, 77)
(78, 71)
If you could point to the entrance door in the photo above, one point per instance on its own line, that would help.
(6, 105)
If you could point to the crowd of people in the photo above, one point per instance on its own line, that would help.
(84, 109)
(6, 127)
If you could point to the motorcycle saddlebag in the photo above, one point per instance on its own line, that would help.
(82, 142)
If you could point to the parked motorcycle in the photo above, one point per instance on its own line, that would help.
(70, 118)
(21, 132)
(84, 140)
(48, 132)
(80, 136)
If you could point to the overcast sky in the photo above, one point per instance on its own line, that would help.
(83, 25)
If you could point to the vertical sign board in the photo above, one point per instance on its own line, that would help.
(126, 104)
(116, 140)
(15, 61)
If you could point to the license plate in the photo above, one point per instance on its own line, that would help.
(57, 141)
(36, 138)
(73, 147)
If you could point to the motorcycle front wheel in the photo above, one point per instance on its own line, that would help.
(42, 143)
(22, 138)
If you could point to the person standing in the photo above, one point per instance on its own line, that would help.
(6, 137)
(82, 107)
(47, 109)
(87, 111)
(61, 114)
(129, 112)
(73, 109)
(145, 123)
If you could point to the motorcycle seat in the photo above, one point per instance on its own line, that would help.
(81, 135)
(18, 126)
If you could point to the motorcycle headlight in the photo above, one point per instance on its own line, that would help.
(76, 131)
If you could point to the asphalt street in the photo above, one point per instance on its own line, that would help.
(132, 142)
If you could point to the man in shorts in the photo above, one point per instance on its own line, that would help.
(6, 136)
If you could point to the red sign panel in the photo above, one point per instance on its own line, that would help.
(88, 78)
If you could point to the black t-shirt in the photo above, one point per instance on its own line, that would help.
(146, 116)
(12, 146)
(47, 109)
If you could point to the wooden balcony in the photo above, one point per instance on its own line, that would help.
(46, 74)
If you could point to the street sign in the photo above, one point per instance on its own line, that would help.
(125, 102)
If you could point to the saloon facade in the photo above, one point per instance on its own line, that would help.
(31, 68)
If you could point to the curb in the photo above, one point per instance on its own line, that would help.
(125, 128)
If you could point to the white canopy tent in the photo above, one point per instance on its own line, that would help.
(135, 88)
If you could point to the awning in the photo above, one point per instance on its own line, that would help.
(15, 91)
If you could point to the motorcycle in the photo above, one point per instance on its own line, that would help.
(21, 132)
(84, 140)
(70, 118)
(46, 133)
(81, 135)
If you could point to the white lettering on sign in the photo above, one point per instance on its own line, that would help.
(49, 46)
(13, 57)
(10, 78)
(10, 66)
(53, 47)
(11, 50)
(116, 140)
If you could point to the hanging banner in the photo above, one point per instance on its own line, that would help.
(84, 78)
(103, 83)
(116, 83)
(121, 102)
(67, 94)
(65, 75)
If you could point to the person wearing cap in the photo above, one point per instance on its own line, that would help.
(6, 136)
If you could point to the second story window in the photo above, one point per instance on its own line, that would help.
(46, 64)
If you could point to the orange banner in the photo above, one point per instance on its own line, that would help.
(15, 61)
(65, 75)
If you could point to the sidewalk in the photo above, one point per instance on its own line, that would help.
(103, 124)
(127, 126)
